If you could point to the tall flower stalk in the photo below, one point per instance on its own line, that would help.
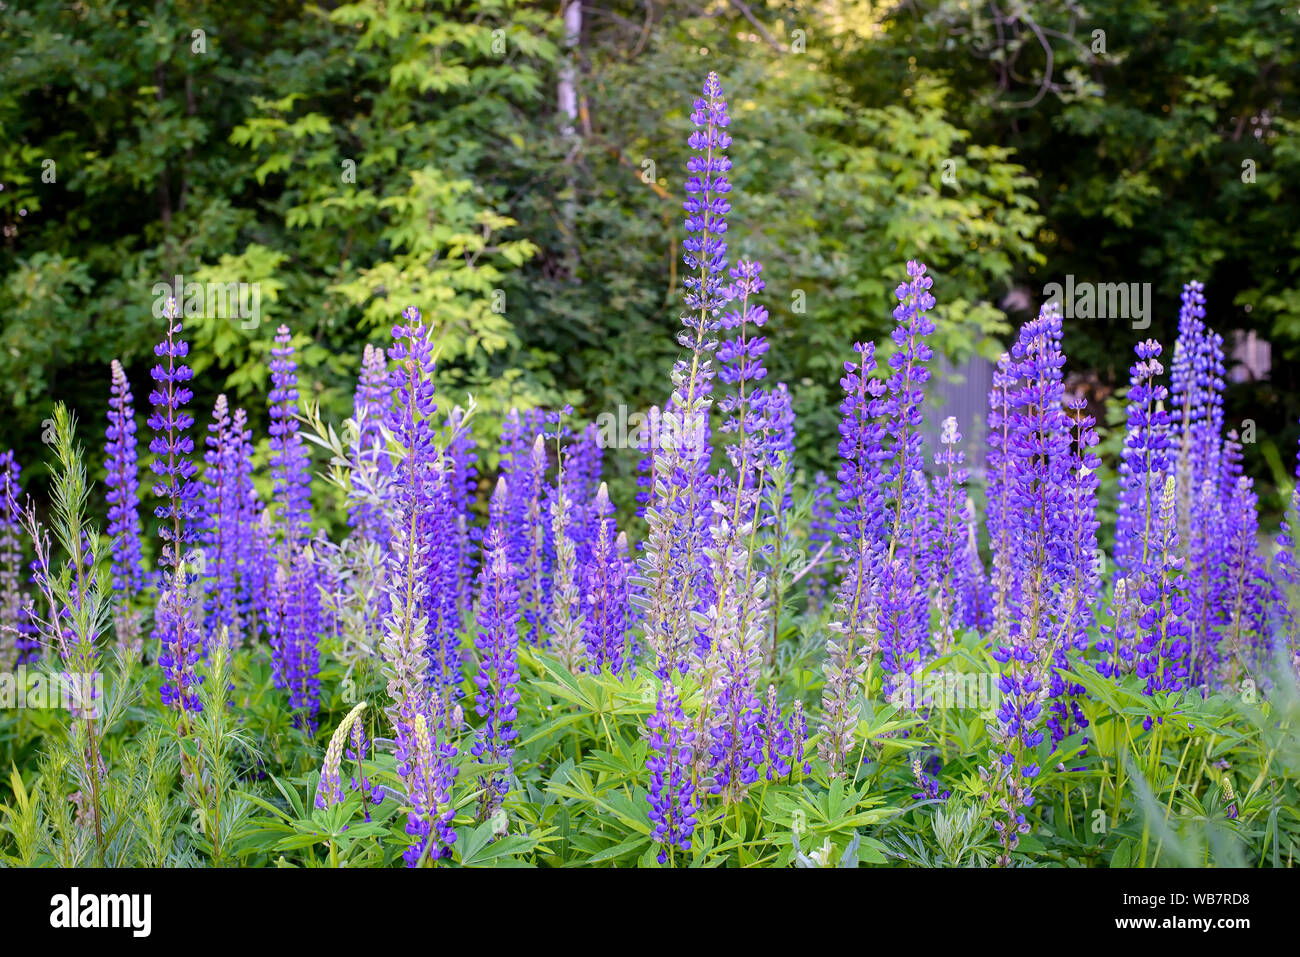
(295, 649)
(415, 711)
(605, 592)
(123, 496)
(18, 645)
(497, 643)
(174, 620)
(902, 609)
(672, 789)
(1037, 450)
(852, 645)
(675, 579)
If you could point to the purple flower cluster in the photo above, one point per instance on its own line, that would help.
(235, 568)
(785, 738)
(1038, 454)
(296, 620)
(371, 404)
(677, 576)
(1144, 463)
(672, 788)
(174, 625)
(899, 579)
(497, 642)
(18, 642)
(605, 592)
(1164, 645)
(852, 645)
(123, 484)
(902, 616)
(417, 712)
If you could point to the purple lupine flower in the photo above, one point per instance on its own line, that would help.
(778, 737)
(1244, 630)
(999, 486)
(409, 418)
(123, 483)
(732, 624)
(295, 650)
(931, 789)
(902, 617)
(290, 462)
(431, 776)
(974, 590)
(519, 439)
(740, 368)
(1037, 451)
(1077, 524)
(221, 523)
(1144, 463)
(649, 442)
(174, 625)
(676, 569)
(533, 591)
(1207, 577)
(1038, 448)
(497, 641)
(253, 552)
(1164, 645)
(755, 421)
(605, 593)
(707, 186)
(371, 403)
(581, 477)
(423, 488)
(17, 631)
(357, 750)
(415, 712)
(462, 469)
(1196, 425)
(799, 731)
(254, 549)
(901, 405)
(774, 410)
(1230, 468)
(852, 645)
(523, 466)
(669, 761)
(735, 738)
(1196, 400)
(949, 532)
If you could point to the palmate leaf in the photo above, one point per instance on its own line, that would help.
(479, 846)
(576, 784)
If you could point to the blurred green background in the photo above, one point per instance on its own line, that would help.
(351, 159)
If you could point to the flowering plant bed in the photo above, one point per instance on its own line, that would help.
(748, 666)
